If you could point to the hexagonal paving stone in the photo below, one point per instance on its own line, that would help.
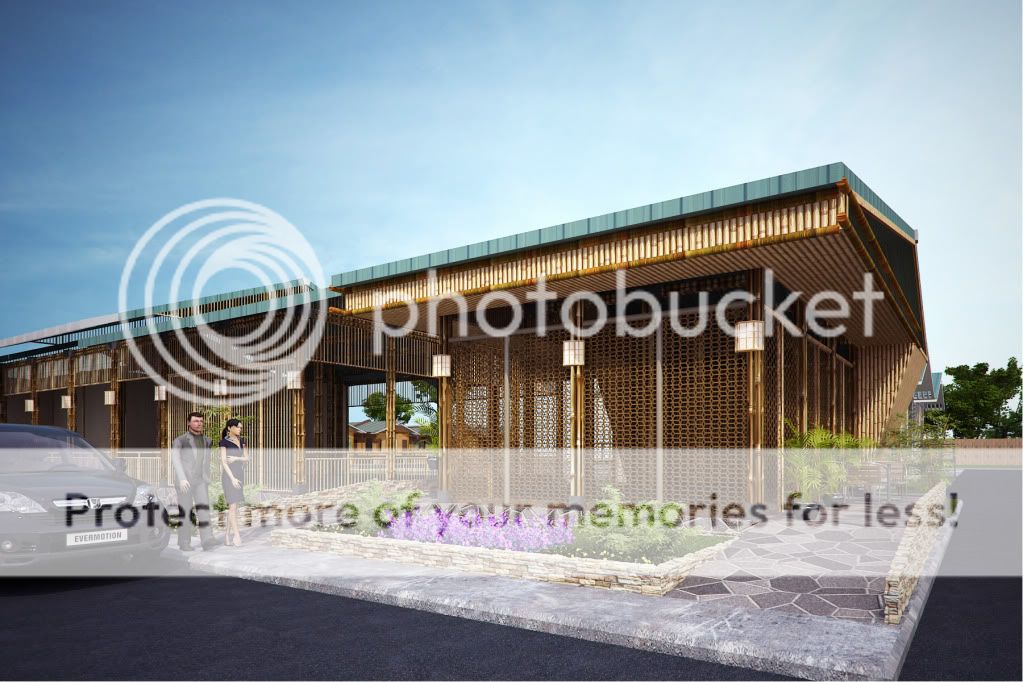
(853, 613)
(820, 545)
(867, 602)
(770, 599)
(842, 581)
(763, 540)
(833, 535)
(682, 594)
(746, 588)
(694, 580)
(793, 583)
(826, 563)
(735, 600)
(712, 588)
(814, 605)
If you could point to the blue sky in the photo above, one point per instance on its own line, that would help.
(388, 130)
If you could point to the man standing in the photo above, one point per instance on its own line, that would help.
(190, 455)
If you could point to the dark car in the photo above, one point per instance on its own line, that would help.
(60, 498)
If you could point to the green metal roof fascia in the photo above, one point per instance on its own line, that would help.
(164, 324)
(757, 190)
(215, 298)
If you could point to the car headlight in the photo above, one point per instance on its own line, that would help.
(19, 504)
(144, 494)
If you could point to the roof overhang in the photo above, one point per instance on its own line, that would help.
(832, 253)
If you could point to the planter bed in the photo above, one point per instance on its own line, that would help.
(656, 579)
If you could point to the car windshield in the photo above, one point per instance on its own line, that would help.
(35, 451)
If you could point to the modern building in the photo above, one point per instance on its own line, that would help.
(812, 231)
(929, 395)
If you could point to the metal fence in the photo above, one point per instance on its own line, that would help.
(145, 465)
(335, 468)
(272, 470)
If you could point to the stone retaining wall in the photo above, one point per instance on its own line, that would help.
(616, 575)
(912, 553)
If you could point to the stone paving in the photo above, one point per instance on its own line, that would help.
(835, 570)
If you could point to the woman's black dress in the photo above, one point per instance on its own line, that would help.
(233, 495)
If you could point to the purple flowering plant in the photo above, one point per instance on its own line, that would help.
(514, 530)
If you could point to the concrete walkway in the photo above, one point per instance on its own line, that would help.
(770, 640)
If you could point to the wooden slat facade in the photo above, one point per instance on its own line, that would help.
(676, 239)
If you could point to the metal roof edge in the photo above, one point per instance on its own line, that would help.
(713, 200)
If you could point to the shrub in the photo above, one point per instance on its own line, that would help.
(641, 539)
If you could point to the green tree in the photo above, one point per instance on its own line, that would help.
(375, 407)
(426, 391)
(979, 401)
(426, 409)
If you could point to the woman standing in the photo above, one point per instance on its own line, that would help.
(233, 454)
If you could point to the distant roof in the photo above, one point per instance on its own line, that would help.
(103, 329)
(672, 209)
(374, 426)
(929, 389)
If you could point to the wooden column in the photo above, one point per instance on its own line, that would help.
(577, 397)
(506, 420)
(342, 402)
(115, 409)
(72, 412)
(298, 436)
(317, 404)
(260, 442)
(756, 394)
(779, 345)
(659, 412)
(390, 435)
(833, 346)
(3, 395)
(34, 391)
(804, 380)
(443, 413)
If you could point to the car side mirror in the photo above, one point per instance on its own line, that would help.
(120, 464)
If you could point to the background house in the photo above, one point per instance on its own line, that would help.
(370, 434)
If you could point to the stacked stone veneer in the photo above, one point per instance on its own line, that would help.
(916, 545)
(615, 575)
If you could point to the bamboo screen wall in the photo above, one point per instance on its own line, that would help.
(880, 373)
(706, 406)
(705, 403)
(51, 373)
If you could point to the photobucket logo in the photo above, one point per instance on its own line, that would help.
(200, 241)
(825, 312)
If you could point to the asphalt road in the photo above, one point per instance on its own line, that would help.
(225, 628)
